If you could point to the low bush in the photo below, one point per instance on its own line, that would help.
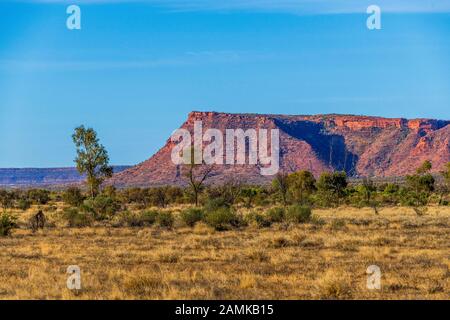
(134, 219)
(123, 219)
(7, 223)
(148, 217)
(223, 219)
(23, 204)
(191, 216)
(260, 220)
(142, 219)
(39, 196)
(215, 204)
(101, 207)
(334, 285)
(77, 219)
(276, 214)
(298, 214)
(165, 219)
(73, 197)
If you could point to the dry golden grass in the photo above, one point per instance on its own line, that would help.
(308, 261)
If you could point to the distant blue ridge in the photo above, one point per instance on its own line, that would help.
(40, 177)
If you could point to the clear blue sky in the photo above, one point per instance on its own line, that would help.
(137, 68)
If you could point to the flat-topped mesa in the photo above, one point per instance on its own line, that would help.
(359, 145)
(352, 122)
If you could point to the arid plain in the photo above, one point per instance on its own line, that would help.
(323, 259)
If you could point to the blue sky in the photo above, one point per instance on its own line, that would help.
(137, 68)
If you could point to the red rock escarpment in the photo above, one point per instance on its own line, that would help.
(360, 145)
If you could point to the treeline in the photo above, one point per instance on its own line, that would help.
(289, 199)
(333, 189)
(329, 190)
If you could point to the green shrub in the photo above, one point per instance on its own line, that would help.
(23, 204)
(191, 216)
(7, 223)
(331, 188)
(73, 197)
(276, 214)
(223, 219)
(39, 196)
(258, 219)
(126, 219)
(76, 219)
(215, 204)
(298, 214)
(145, 218)
(148, 217)
(262, 221)
(6, 199)
(165, 219)
(134, 220)
(101, 207)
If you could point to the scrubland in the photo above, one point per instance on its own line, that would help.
(325, 258)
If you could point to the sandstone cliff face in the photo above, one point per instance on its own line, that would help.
(360, 145)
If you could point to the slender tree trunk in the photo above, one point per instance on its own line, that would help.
(196, 198)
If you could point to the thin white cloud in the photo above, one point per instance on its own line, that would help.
(290, 6)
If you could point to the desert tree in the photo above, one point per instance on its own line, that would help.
(368, 189)
(331, 187)
(281, 186)
(444, 187)
(175, 194)
(159, 196)
(92, 158)
(73, 196)
(248, 194)
(446, 174)
(135, 195)
(390, 193)
(6, 199)
(420, 186)
(196, 174)
(230, 190)
(301, 185)
(39, 196)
